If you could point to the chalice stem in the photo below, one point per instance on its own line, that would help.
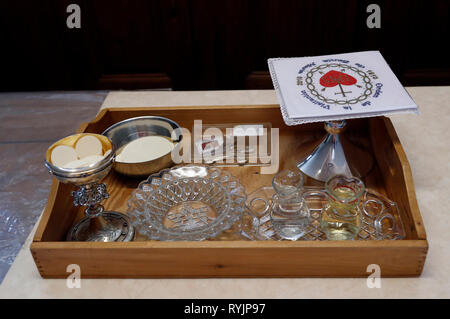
(336, 155)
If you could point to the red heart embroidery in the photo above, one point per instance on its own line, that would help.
(333, 78)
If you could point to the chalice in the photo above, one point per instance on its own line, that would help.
(98, 224)
(336, 155)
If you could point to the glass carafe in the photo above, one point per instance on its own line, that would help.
(341, 216)
(290, 214)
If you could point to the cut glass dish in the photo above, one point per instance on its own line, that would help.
(191, 202)
(380, 217)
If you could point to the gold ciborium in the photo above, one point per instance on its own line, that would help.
(98, 225)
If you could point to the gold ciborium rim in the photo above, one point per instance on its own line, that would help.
(68, 173)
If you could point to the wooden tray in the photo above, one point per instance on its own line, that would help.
(391, 176)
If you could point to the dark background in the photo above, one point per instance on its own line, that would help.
(208, 44)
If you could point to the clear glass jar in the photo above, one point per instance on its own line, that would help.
(341, 216)
(289, 214)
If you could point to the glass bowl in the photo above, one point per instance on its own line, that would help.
(191, 202)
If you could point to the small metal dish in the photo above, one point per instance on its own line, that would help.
(131, 129)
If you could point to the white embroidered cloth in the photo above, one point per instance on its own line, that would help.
(337, 87)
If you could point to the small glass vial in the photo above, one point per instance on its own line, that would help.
(341, 216)
(290, 214)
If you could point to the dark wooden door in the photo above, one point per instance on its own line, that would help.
(206, 44)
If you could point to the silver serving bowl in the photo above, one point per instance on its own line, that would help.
(84, 175)
(131, 129)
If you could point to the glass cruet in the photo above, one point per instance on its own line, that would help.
(341, 216)
(290, 214)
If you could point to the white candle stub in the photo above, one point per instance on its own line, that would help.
(63, 154)
(144, 149)
(88, 145)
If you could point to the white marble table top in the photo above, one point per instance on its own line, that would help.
(425, 139)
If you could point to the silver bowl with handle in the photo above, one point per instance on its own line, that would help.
(131, 129)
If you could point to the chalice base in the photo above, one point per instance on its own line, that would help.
(109, 227)
(336, 155)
